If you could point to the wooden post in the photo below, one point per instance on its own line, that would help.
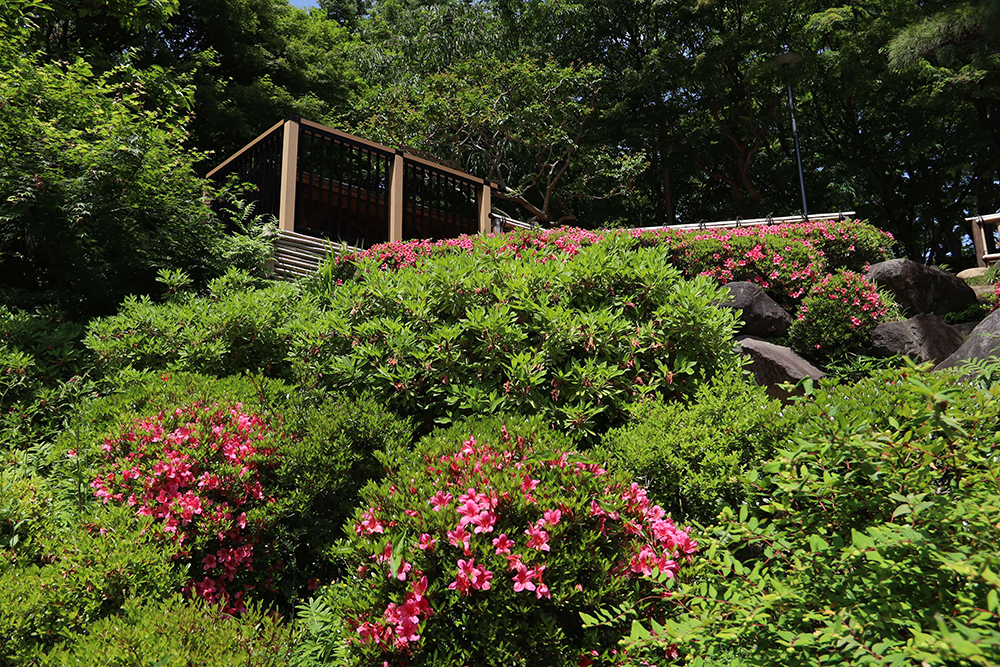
(396, 199)
(289, 175)
(485, 208)
(979, 241)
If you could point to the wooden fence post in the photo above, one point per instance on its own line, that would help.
(289, 175)
(979, 241)
(396, 199)
(485, 209)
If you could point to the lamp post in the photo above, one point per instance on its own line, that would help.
(784, 63)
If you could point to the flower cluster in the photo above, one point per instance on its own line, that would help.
(837, 316)
(559, 244)
(195, 471)
(500, 525)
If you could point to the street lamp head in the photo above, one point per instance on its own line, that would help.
(786, 60)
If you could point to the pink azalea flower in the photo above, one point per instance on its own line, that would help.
(522, 579)
(440, 499)
(552, 516)
(426, 542)
(459, 538)
(537, 538)
(503, 544)
(484, 522)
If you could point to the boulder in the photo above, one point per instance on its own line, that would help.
(966, 328)
(922, 289)
(973, 273)
(761, 315)
(923, 337)
(984, 292)
(772, 365)
(983, 342)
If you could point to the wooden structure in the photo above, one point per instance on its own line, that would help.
(753, 222)
(321, 183)
(985, 242)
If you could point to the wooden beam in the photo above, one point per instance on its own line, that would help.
(289, 172)
(244, 149)
(396, 199)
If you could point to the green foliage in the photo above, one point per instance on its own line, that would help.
(96, 191)
(523, 123)
(482, 547)
(785, 260)
(36, 349)
(234, 329)
(177, 633)
(459, 335)
(974, 313)
(250, 248)
(696, 457)
(74, 577)
(41, 356)
(321, 454)
(880, 541)
(857, 367)
(837, 317)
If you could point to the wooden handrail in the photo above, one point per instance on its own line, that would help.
(243, 150)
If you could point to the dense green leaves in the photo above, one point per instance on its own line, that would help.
(880, 542)
(96, 193)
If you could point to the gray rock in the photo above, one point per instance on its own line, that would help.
(772, 365)
(984, 292)
(923, 337)
(966, 328)
(922, 289)
(983, 342)
(974, 272)
(761, 315)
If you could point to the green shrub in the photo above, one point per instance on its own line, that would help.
(41, 356)
(693, 457)
(785, 268)
(272, 470)
(482, 547)
(880, 545)
(39, 349)
(837, 317)
(76, 576)
(974, 313)
(472, 334)
(232, 330)
(177, 633)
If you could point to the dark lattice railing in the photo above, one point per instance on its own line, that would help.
(437, 204)
(323, 183)
(342, 191)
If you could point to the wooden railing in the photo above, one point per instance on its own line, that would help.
(753, 222)
(324, 183)
(985, 242)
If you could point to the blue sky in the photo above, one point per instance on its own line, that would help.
(303, 3)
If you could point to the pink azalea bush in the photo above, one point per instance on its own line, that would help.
(483, 547)
(785, 259)
(848, 244)
(559, 244)
(838, 316)
(197, 473)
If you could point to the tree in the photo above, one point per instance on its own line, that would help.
(96, 192)
(438, 88)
